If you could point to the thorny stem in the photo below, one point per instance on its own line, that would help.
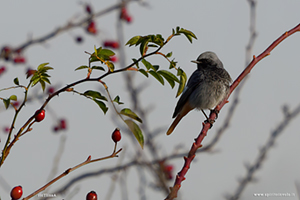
(197, 144)
(87, 161)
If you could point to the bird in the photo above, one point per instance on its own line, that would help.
(206, 88)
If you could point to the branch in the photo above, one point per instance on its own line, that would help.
(251, 169)
(87, 161)
(197, 144)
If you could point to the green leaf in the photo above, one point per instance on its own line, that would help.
(102, 105)
(129, 113)
(98, 68)
(111, 66)
(171, 78)
(169, 54)
(16, 81)
(13, 97)
(136, 63)
(182, 81)
(172, 64)
(117, 100)
(135, 129)
(43, 84)
(6, 102)
(94, 94)
(143, 46)
(41, 66)
(189, 34)
(144, 72)
(152, 45)
(81, 67)
(133, 40)
(155, 67)
(157, 76)
(40, 76)
(147, 64)
(105, 52)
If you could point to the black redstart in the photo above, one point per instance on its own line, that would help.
(206, 88)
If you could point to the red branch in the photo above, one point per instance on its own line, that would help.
(197, 144)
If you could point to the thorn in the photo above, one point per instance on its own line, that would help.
(254, 57)
(185, 158)
(226, 101)
(286, 33)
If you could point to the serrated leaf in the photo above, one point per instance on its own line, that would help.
(16, 81)
(135, 129)
(129, 113)
(6, 102)
(147, 64)
(171, 78)
(45, 79)
(157, 76)
(144, 72)
(41, 66)
(102, 105)
(189, 34)
(133, 40)
(13, 97)
(94, 94)
(98, 68)
(105, 52)
(117, 100)
(81, 67)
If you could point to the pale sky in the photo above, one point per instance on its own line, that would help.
(220, 26)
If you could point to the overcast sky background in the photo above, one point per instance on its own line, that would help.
(222, 27)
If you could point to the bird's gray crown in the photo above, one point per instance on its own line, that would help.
(209, 57)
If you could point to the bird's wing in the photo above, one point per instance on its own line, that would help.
(194, 81)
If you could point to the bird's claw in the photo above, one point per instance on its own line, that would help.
(210, 121)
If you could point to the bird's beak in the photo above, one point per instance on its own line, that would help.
(195, 61)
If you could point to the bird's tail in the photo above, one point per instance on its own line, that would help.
(174, 124)
(185, 110)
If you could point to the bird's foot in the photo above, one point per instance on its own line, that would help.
(216, 112)
(210, 121)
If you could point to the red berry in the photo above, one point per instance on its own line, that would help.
(51, 90)
(63, 124)
(56, 128)
(92, 28)
(128, 18)
(112, 44)
(16, 192)
(2, 69)
(6, 52)
(39, 115)
(116, 135)
(19, 59)
(16, 103)
(92, 195)
(88, 9)
(113, 59)
(169, 168)
(6, 129)
(79, 39)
